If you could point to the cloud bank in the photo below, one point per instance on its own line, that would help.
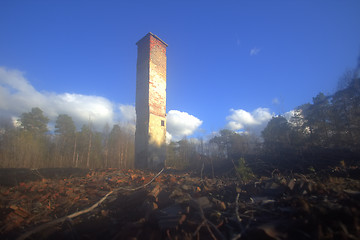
(18, 96)
(250, 122)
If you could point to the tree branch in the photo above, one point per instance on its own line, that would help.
(76, 214)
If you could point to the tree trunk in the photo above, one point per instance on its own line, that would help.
(74, 153)
(88, 153)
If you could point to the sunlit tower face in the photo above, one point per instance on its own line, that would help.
(150, 132)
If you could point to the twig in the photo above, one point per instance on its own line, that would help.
(206, 222)
(237, 208)
(36, 172)
(76, 214)
(199, 227)
(215, 228)
(137, 188)
(236, 237)
(238, 218)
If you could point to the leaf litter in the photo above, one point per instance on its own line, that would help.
(134, 204)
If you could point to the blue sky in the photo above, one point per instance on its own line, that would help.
(231, 64)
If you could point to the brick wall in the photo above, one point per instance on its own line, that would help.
(150, 133)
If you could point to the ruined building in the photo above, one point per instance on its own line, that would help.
(150, 149)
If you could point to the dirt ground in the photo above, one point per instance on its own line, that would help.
(132, 204)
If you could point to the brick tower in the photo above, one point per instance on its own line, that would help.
(150, 134)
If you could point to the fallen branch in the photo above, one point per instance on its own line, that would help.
(207, 223)
(199, 227)
(237, 208)
(60, 220)
(137, 188)
(76, 214)
(239, 220)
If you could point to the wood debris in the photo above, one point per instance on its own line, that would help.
(114, 204)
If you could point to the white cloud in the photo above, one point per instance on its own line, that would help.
(16, 93)
(181, 124)
(254, 51)
(254, 122)
(128, 117)
(168, 137)
(17, 96)
(127, 113)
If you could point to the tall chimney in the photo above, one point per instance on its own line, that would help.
(150, 134)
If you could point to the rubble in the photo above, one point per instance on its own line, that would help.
(133, 204)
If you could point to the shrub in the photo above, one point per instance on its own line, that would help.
(243, 171)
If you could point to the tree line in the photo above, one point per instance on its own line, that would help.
(30, 145)
(320, 133)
